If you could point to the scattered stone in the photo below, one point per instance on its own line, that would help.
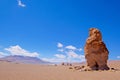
(70, 67)
(77, 67)
(82, 66)
(66, 64)
(70, 64)
(112, 68)
(55, 64)
(85, 69)
(63, 64)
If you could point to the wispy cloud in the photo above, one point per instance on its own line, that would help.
(60, 56)
(2, 54)
(20, 3)
(59, 45)
(71, 47)
(118, 57)
(80, 49)
(61, 50)
(54, 59)
(17, 50)
(73, 55)
(66, 54)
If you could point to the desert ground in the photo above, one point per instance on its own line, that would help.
(15, 71)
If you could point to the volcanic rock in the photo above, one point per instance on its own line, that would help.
(96, 53)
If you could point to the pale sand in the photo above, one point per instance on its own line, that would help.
(12, 71)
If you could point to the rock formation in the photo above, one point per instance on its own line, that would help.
(96, 52)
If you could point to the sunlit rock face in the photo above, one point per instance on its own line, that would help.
(96, 53)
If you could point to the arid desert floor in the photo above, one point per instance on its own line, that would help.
(13, 71)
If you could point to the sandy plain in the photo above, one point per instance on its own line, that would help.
(15, 71)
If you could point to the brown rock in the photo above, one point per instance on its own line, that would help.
(77, 68)
(70, 67)
(63, 64)
(96, 52)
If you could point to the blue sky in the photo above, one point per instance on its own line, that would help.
(33, 27)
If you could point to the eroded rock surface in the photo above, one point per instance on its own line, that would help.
(96, 52)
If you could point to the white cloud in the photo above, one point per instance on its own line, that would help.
(72, 54)
(60, 56)
(2, 54)
(21, 4)
(54, 59)
(17, 50)
(61, 50)
(59, 45)
(80, 49)
(81, 57)
(70, 57)
(71, 47)
(57, 58)
(118, 57)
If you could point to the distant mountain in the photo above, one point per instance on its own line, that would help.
(24, 59)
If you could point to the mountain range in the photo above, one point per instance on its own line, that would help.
(24, 59)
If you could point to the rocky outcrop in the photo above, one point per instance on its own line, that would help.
(96, 52)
